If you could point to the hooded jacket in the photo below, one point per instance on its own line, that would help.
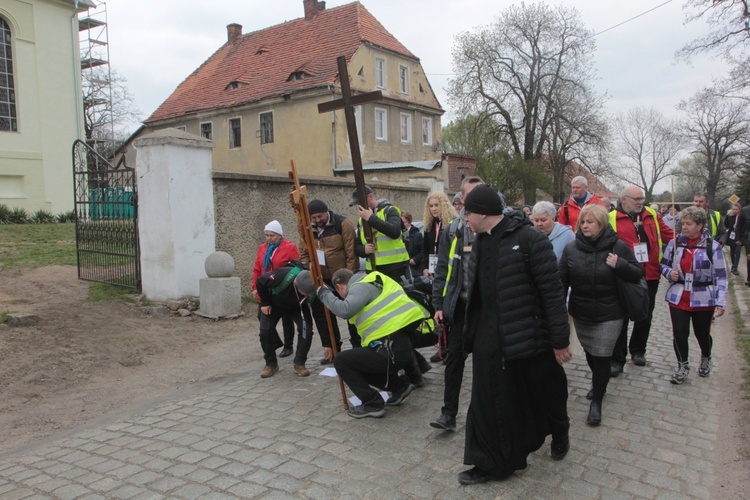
(559, 237)
(530, 300)
(592, 283)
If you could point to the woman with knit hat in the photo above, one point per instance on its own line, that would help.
(274, 253)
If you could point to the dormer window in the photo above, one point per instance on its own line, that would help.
(262, 51)
(298, 75)
(234, 85)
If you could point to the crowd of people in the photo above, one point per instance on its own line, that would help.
(507, 288)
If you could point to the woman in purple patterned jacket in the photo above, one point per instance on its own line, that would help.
(694, 265)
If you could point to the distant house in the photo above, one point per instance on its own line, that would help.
(257, 98)
(41, 113)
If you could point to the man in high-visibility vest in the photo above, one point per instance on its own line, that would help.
(449, 290)
(713, 224)
(385, 317)
(643, 229)
(391, 256)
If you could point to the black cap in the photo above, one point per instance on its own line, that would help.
(355, 197)
(483, 200)
(316, 207)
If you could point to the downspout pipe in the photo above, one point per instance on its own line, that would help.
(76, 69)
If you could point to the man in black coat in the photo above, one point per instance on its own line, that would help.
(743, 234)
(517, 331)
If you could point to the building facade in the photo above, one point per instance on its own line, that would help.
(40, 102)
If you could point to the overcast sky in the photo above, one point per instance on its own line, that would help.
(157, 44)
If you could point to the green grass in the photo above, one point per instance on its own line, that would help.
(37, 245)
(739, 293)
(4, 316)
(99, 292)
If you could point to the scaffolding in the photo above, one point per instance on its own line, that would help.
(96, 77)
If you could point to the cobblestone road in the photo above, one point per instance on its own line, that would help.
(289, 437)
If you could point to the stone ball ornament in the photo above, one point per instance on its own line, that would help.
(219, 265)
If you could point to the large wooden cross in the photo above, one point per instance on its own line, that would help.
(347, 103)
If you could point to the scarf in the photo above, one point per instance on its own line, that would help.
(270, 249)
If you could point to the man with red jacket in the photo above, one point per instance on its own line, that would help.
(643, 229)
(580, 196)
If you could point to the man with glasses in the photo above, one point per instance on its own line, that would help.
(643, 229)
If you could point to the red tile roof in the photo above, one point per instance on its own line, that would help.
(261, 62)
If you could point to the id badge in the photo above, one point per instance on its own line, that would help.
(641, 252)
(433, 263)
(321, 257)
(689, 282)
(731, 236)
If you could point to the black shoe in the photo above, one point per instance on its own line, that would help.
(595, 414)
(615, 369)
(735, 272)
(435, 358)
(747, 283)
(639, 359)
(363, 411)
(590, 395)
(476, 475)
(559, 448)
(286, 351)
(445, 422)
(398, 396)
(325, 361)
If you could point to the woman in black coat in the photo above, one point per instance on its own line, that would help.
(589, 267)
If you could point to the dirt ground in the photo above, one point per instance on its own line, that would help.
(85, 361)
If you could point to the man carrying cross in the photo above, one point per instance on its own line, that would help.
(643, 229)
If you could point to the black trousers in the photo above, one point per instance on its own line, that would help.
(600, 375)
(735, 252)
(268, 335)
(641, 330)
(364, 368)
(681, 331)
(455, 361)
(321, 323)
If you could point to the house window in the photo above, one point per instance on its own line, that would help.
(427, 131)
(235, 133)
(380, 73)
(381, 124)
(8, 118)
(405, 128)
(403, 79)
(266, 127)
(207, 131)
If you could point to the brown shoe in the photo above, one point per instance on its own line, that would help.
(268, 371)
(301, 370)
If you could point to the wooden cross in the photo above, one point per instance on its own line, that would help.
(347, 103)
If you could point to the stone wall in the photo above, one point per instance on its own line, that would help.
(245, 203)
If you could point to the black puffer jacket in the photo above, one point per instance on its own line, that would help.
(530, 301)
(593, 285)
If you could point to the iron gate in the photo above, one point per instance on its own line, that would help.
(106, 207)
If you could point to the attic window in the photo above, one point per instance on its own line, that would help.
(262, 51)
(421, 89)
(234, 85)
(298, 75)
(361, 71)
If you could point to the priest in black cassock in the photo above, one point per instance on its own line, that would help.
(517, 331)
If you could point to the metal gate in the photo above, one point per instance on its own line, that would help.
(106, 207)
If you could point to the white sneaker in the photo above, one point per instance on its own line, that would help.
(681, 374)
(705, 367)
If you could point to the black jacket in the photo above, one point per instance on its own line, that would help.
(530, 300)
(276, 291)
(593, 285)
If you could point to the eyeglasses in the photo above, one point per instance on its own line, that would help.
(640, 198)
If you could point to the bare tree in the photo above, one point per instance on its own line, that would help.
(646, 147)
(108, 109)
(516, 70)
(719, 130)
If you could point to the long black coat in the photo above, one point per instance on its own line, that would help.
(530, 301)
(592, 283)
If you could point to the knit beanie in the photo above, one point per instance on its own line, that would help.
(457, 198)
(483, 200)
(317, 206)
(304, 283)
(275, 227)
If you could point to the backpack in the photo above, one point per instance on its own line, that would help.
(419, 290)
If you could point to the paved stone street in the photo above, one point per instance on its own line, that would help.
(289, 437)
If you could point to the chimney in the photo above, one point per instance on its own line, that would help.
(312, 7)
(234, 31)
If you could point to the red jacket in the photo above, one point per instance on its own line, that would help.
(568, 213)
(626, 232)
(285, 252)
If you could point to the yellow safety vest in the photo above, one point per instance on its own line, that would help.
(714, 217)
(391, 311)
(613, 223)
(452, 257)
(387, 250)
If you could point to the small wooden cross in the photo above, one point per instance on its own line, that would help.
(347, 102)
